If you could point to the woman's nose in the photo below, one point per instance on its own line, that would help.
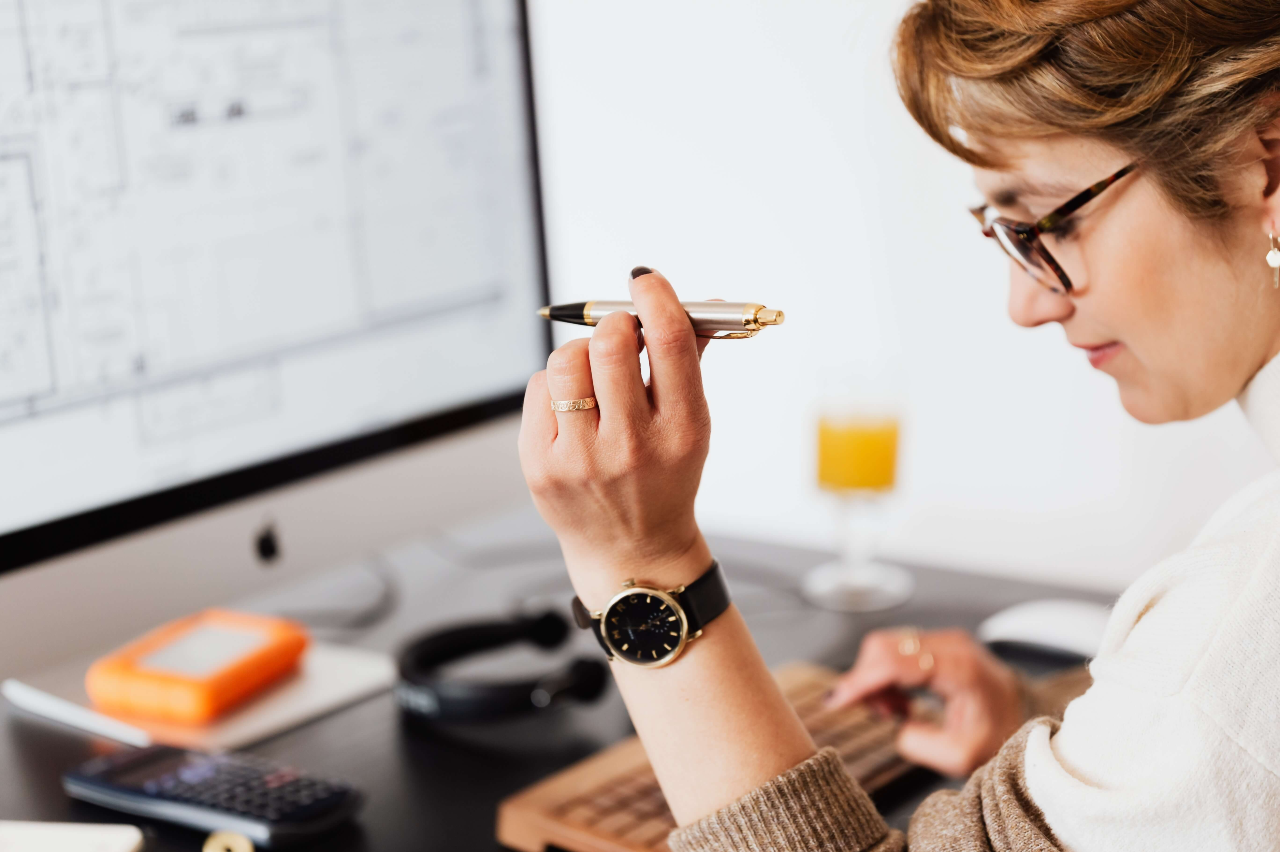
(1032, 304)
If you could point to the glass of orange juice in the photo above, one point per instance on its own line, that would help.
(858, 463)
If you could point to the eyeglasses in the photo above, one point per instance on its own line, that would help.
(1025, 243)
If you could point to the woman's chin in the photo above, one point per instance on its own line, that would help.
(1149, 416)
(1149, 406)
(1145, 405)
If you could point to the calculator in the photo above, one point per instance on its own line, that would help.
(235, 792)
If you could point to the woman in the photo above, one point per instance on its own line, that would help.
(1165, 114)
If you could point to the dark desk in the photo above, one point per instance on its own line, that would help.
(428, 792)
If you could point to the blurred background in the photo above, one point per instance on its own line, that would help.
(758, 151)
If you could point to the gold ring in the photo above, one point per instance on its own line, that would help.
(909, 644)
(573, 405)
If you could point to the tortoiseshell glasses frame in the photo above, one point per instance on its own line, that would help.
(1021, 240)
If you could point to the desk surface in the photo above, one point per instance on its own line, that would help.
(427, 790)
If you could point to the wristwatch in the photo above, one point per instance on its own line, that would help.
(646, 626)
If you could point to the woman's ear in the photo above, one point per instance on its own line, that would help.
(1269, 137)
(1272, 163)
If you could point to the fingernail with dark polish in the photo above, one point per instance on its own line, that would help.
(636, 272)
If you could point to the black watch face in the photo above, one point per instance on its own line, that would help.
(644, 627)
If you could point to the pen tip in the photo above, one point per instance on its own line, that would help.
(545, 312)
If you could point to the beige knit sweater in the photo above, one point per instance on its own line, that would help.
(817, 806)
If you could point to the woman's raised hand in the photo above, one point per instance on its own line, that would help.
(617, 485)
(984, 701)
(617, 482)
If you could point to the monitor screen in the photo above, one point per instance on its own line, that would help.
(235, 233)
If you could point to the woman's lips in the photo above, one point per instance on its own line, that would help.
(1101, 354)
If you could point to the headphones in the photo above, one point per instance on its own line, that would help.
(423, 692)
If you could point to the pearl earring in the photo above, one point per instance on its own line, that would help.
(1273, 259)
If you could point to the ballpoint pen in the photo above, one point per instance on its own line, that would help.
(720, 320)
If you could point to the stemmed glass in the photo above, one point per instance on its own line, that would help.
(857, 463)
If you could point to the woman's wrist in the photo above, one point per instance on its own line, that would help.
(598, 572)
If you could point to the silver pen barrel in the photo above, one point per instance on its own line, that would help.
(706, 316)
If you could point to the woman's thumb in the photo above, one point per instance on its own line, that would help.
(932, 746)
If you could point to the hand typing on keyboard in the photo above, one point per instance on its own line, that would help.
(984, 703)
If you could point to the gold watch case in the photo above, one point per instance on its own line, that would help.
(630, 588)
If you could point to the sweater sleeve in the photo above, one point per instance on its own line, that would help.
(1049, 697)
(993, 811)
(817, 806)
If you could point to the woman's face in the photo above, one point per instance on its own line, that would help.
(1181, 314)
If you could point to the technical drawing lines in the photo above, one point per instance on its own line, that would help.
(26, 360)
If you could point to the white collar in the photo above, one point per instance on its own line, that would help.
(1260, 400)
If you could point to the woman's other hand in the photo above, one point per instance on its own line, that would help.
(617, 482)
(984, 704)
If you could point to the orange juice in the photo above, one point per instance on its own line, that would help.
(857, 453)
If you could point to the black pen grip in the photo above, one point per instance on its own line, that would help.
(572, 312)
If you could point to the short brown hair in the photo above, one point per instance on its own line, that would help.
(1173, 83)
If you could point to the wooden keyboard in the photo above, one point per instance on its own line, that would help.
(611, 801)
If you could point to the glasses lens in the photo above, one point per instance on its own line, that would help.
(1026, 256)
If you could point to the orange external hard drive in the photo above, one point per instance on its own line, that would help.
(193, 669)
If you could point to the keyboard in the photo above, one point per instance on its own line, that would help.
(611, 801)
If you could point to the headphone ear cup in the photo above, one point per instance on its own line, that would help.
(548, 630)
(588, 678)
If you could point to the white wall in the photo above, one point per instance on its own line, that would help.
(757, 151)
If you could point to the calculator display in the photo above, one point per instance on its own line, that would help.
(167, 764)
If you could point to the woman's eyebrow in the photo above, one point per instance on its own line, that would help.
(1005, 197)
(1017, 191)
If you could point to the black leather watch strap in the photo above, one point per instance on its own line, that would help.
(583, 619)
(705, 599)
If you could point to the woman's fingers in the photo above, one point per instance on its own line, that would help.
(569, 378)
(702, 346)
(885, 660)
(674, 375)
(615, 372)
(933, 746)
(866, 679)
(538, 425)
(703, 341)
(983, 704)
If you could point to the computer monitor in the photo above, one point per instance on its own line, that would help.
(243, 242)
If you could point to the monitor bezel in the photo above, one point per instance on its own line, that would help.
(56, 538)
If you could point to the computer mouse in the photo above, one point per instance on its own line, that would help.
(1058, 624)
